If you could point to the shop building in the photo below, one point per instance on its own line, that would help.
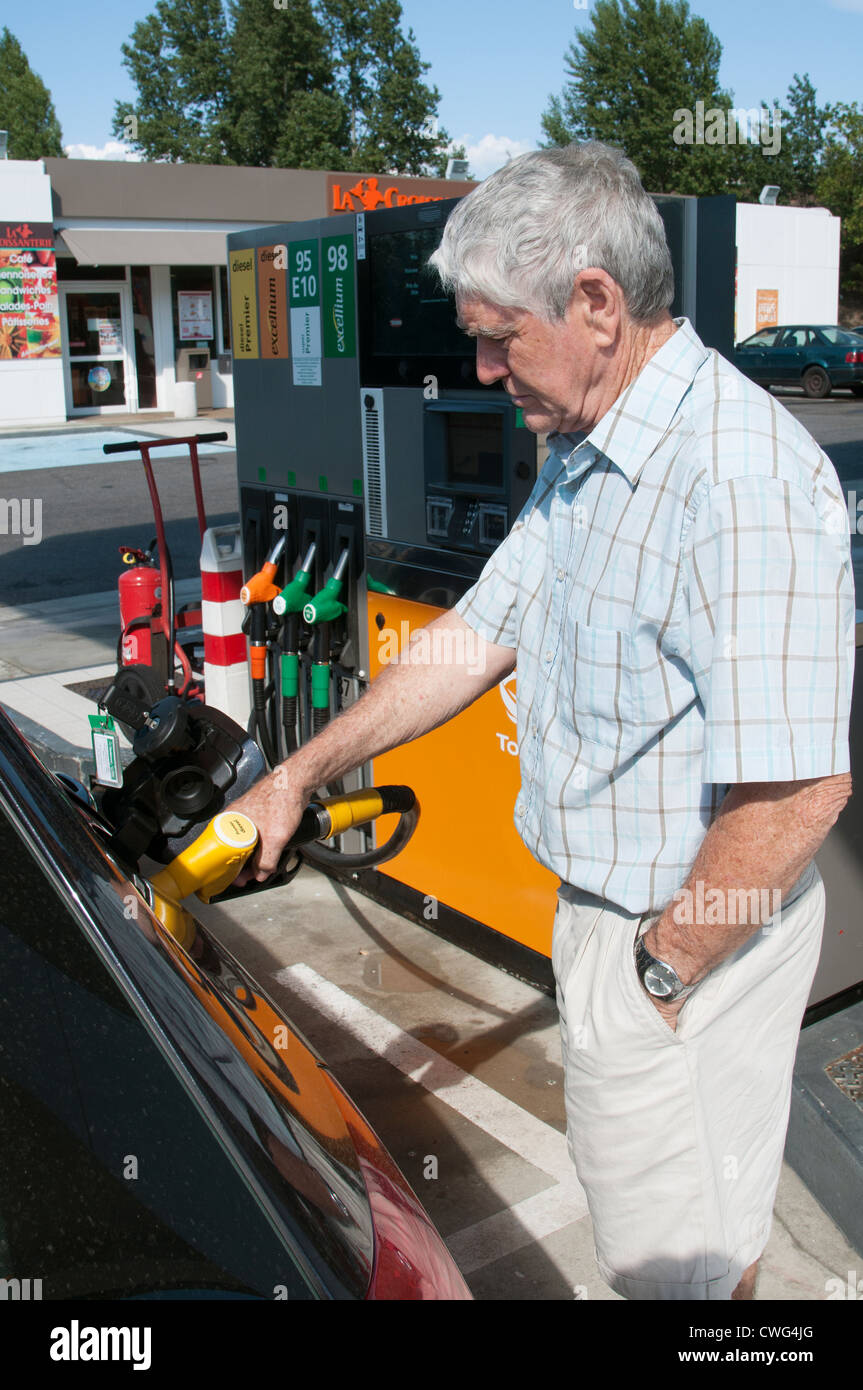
(113, 275)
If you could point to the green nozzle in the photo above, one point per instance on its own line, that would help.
(376, 587)
(325, 606)
(320, 686)
(290, 667)
(293, 597)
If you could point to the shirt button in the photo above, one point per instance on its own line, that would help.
(560, 574)
(548, 656)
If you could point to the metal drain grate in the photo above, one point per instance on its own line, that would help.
(847, 1073)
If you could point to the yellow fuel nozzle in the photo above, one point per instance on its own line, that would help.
(211, 862)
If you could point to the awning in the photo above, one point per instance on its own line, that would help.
(146, 245)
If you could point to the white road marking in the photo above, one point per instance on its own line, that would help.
(525, 1222)
(532, 1139)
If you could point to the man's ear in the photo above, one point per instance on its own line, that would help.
(598, 299)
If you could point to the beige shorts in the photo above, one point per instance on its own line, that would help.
(677, 1137)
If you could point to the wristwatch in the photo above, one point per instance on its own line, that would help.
(659, 978)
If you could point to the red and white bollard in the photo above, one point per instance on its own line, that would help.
(226, 672)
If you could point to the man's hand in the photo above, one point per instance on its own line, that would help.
(274, 805)
(667, 1010)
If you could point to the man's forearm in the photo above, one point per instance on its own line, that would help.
(757, 847)
(443, 671)
(436, 676)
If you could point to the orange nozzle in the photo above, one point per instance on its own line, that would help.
(258, 662)
(260, 588)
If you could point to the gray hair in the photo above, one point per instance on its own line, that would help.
(520, 238)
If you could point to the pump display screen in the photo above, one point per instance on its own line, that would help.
(474, 450)
(411, 315)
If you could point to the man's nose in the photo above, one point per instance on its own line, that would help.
(491, 362)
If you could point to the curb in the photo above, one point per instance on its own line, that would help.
(825, 1130)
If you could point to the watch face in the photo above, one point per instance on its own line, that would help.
(659, 980)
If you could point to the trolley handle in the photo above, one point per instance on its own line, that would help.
(135, 445)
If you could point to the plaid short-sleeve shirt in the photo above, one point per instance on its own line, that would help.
(679, 591)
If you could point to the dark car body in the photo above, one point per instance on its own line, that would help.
(165, 1131)
(814, 357)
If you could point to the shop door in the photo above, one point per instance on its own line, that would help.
(99, 372)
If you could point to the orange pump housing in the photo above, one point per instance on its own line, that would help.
(465, 852)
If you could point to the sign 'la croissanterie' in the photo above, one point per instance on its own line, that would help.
(29, 308)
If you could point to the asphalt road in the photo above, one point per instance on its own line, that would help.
(88, 512)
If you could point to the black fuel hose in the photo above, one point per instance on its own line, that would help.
(261, 718)
(332, 859)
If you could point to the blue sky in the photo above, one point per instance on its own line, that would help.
(495, 62)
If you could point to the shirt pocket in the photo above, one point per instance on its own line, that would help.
(596, 683)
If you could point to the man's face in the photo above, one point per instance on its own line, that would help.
(549, 369)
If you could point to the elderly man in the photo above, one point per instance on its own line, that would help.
(678, 595)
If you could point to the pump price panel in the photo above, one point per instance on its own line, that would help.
(304, 286)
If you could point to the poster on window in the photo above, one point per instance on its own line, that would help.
(766, 308)
(110, 337)
(195, 313)
(29, 309)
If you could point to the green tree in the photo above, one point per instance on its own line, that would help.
(336, 85)
(178, 60)
(379, 72)
(794, 166)
(839, 186)
(26, 109)
(631, 73)
(803, 129)
(283, 108)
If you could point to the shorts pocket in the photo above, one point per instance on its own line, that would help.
(643, 1009)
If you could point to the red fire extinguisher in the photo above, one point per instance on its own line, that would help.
(139, 588)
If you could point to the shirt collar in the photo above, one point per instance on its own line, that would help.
(631, 428)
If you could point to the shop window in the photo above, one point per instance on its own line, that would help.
(193, 307)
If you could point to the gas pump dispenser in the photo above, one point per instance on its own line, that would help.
(366, 440)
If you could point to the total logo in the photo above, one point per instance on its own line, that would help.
(507, 694)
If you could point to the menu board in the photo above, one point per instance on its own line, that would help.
(195, 313)
(29, 309)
